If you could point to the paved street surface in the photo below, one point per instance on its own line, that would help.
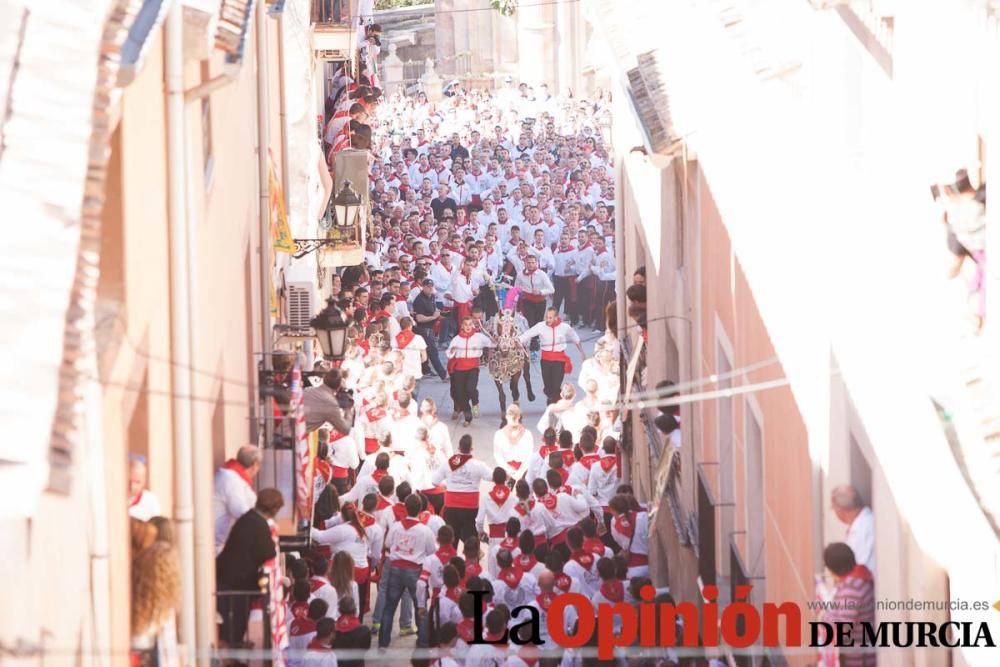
(485, 426)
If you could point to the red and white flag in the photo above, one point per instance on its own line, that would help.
(303, 459)
(279, 629)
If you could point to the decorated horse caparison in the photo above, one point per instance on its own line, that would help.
(508, 360)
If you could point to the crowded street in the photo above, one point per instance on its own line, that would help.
(499, 333)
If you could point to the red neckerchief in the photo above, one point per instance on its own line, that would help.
(399, 511)
(608, 462)
(458, 460)
(563, 582)
(545, 450)
(594, 545)
(568, 457)
(587, 460)
(364, 345)
(237, 467)
(500, 493)
(346, 623)
(566, 249)
(366, 519)
(383, 503)
(317, 645)
(564, 473)
(586, 560)
(860, 572)
(379, 474)
(613, 591)
(424, 170)
(375, 414)
(409, 522)
(519, 507)
(625, 524)
(465, 630)
(445, 553)
(511, 576)
(508, 543)
(526, 562)
(544, 600)
(316, 583)
(135, 501)
(550, 501)
(473, 569)
(584, 246)
(324, 469)
(301, 626)
(400, 297)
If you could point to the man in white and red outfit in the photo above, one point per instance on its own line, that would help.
(495, 508)
(564, 277)
(579, 471)
(553, 335)
(630, 529)
(535, 286)
(414, 349)
(344, 460)
(234, 494)
(513, 586)
(464, 290)
(605, 478)
(464, 353)
(319, 652)
(432, 578)
(564, 509)
(407, 544)
(462, 475)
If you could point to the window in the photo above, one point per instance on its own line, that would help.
(755, 508)
(706, 534)
(208, 159)
(724, 438)
(737, 579)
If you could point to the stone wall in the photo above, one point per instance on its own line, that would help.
(408, 40)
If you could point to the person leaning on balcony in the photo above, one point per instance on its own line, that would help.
(850, 508)
(237, 568)
(853, 598)
(233, 494)
(327, 404)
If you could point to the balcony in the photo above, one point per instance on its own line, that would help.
(332, 28)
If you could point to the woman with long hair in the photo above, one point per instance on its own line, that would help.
(156, 587)
(341, 576)
(350, 537)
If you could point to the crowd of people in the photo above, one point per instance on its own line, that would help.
(492, 246)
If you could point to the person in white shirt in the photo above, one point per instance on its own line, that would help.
(319, 652)
(408, 542)
(546, 261)
(513, 444)
(553, 336)
(463, 476)
(564, 509)
(234, 494)
(414, 349)
(601, 267)
(143, 505)
(630, 529)
(464, 353)
(495, 508)
(850, 508)
(513, 586)
(564, 277)
(535, 287)
(605, 477)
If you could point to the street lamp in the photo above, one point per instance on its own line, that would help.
(347, 206)
(331, 329)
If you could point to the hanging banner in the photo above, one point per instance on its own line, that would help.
(281, 233)
(279, 631)
(303, 455)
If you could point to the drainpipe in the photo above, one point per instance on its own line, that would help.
(180, 326)
(264, 212)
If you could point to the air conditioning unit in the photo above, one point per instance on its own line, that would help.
(300, 295)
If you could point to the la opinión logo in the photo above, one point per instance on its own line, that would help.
(738, 625)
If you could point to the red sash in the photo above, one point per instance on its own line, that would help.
(559, 356)
(403, 338)
(497, 530)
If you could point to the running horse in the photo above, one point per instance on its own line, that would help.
(508, 359)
